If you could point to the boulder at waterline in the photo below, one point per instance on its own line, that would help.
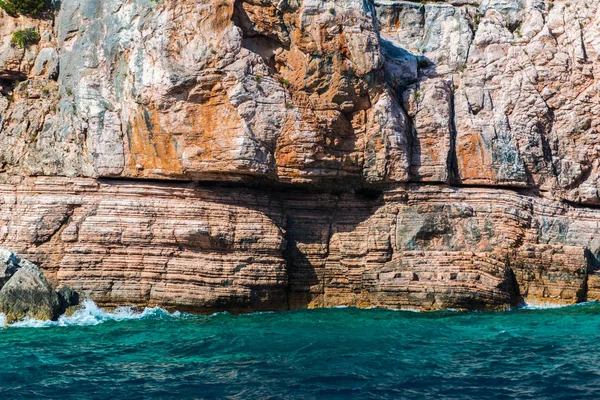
(28, 294)
(25, 291)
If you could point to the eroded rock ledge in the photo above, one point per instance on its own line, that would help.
(201, 248)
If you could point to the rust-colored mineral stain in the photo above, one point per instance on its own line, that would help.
(153, 150)
(473, 160)
(222, 15)
(217, 126)
(432, 149)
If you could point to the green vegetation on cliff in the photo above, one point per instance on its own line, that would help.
(14, 7)
(25, 37)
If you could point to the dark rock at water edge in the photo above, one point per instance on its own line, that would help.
(68, 298)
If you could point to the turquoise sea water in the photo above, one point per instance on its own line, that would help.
(333, 353)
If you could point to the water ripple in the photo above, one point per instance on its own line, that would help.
(530, 353)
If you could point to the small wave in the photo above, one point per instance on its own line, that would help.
(413, 310)
(408, 309)
(91, 314)
(542, 306)
(547, 306)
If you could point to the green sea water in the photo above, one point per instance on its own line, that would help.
(329, 353)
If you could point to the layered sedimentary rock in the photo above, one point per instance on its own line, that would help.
(262, 154)
(202, 248)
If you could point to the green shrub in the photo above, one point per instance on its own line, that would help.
(14, 7)
(518, 31)
(25, 37)
(417, 96)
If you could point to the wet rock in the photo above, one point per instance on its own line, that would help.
(68, 298)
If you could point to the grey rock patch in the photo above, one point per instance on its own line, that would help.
(27, 294)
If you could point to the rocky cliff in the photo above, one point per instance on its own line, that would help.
(274, 154)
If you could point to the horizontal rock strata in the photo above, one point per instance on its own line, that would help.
(216, 248)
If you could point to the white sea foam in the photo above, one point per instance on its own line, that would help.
(543, 306)
(408, 309)
(91, 314)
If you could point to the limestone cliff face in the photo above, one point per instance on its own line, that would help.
(275, 154)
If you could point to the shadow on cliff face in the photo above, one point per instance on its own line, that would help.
(9, 81)
(327, 245)
(512, 287)
(594, 263)
(429, 107)
(321, 237)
